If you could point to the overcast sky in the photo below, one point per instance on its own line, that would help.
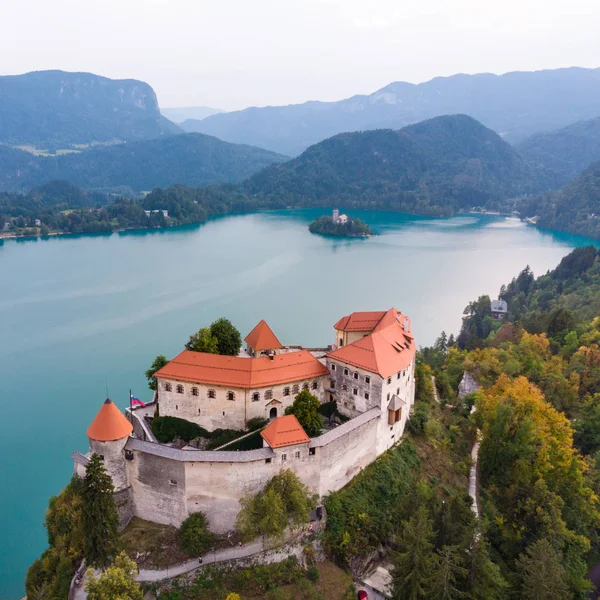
(231, 54)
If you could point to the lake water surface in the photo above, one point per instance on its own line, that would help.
(80, 315)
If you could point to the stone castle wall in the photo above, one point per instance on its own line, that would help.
(169, 484)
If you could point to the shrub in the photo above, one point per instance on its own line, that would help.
(419, 418)
(218, 437)
(328, 409)
(312, 574)
(194, 536)
(166, 429)
(256, 423)
(310, 555)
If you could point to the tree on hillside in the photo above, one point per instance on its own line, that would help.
(116, 583)
(158, 363)
(543, 576)
(414, 558)
(285, 499)
(203, 341)
(229, 340)
(449, 574)
(485, 581)
(306, 409)
(194, 536)
(100, 520)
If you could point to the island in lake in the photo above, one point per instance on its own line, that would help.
(340, 225)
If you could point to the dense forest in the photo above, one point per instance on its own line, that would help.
(565, 152)
(538, 410)
(190, 159)
(574, 208)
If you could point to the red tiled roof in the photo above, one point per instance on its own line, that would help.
(284, 431)
(109, 424)
(359, 321)
(387, 350)
(262, 338)
(238, 372)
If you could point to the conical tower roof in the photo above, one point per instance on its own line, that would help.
(110, 424)
(262, 337)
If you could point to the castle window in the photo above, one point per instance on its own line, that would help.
(333, 366)
(305, 385)
(367, 379)
(101, 456)
(168, 387)
(267, 460)
(388, 396)
(355, 375)
(341, 341)
(312, 451)
(397, 391)
(284, 457)
(295, 388)
(398, 376)
(286, 391)
(332, 382)
(355, 391)
(198, 411)
(128, 455)
(366, 395)
(269, 395)
(344, 387)
(195, 391)
(176, 407)
(297, 454)
(389, 380)
(212, 394)
(230, 396)
(255, 397)
(172, 482)
(179, 389)
(315, 385)
(345, 371)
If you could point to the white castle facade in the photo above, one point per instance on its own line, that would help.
(368, 371)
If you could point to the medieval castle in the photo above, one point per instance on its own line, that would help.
(368, 371)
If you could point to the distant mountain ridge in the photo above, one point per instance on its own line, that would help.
(438, 166)
(58, 109)
(515, 105)
(181, 114)
(192, 159)
(567, 151)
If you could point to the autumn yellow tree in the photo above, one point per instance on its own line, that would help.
(533, 481)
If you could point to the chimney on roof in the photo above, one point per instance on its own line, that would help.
(271, 355)
(406, 325)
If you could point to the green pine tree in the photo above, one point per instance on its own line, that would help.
(449, 574)
(414, 560)
(543, 576)
(100, 520)
(485, 582)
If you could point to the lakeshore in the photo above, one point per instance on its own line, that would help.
(86, 313)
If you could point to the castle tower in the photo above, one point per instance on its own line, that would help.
(108, 435)
(336, 215)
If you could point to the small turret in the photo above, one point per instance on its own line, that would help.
(336, 215)
(108, 435)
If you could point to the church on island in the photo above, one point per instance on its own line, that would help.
(368, 371)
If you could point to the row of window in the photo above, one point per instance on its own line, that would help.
(398, 375)
(287, 391)
(354, 374)
(345, 389)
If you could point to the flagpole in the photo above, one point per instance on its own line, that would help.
(130, 408)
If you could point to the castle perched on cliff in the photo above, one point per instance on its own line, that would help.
(368, 372)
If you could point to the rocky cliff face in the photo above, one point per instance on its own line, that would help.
(58, 109)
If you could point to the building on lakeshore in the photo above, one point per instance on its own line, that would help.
(499, 309)
(368, 372)
(337, 218)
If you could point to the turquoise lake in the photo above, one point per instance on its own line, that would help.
(83, 314)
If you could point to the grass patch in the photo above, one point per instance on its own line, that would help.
(152, 545)
(285, 580)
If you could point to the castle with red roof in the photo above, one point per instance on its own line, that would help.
(368, 372)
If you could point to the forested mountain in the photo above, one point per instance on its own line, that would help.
(567, 151)
(193, 159)
(515, 105)
(181, 114)
(55, 109)
(434, 167)
(574, 208)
